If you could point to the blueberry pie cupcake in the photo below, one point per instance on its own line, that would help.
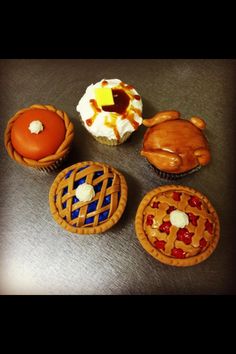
(177, 225)
(88, 197)
(111, 111)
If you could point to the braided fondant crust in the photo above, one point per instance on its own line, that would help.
(146, 234)
(47, 161)
(62, 206)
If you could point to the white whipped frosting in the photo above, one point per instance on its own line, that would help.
(35, 127)
(85, 192)
(179, 218)
(98, 128)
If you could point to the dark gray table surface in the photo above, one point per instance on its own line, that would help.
(38, 257)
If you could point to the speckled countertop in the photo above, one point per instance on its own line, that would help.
(37, 256)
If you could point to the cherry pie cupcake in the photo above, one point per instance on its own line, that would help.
(88, 197)
(177, 225)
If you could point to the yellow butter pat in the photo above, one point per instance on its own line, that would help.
(104, 96)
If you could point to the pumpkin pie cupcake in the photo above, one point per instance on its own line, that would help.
(175, 147)
(39, 137)
(177, 225)
(111, 111)
(88, 197)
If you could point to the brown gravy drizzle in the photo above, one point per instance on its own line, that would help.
(104, 83)
(121, 102)
(125, 86)
(137, 97)
(130, 117)
(112, 124)
(96, 109)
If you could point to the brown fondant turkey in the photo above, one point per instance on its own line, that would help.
(175, 145)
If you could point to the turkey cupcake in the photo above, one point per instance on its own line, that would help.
(177, 225)
(111, 111)
(175, 147)
(88, 197)
(39, 137)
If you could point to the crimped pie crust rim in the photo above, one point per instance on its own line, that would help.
(155, 252)
(62, 150)
(88, 230)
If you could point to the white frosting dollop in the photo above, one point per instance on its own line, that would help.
(98, 128)
(35, 127)
(179, 218)
(85, 192)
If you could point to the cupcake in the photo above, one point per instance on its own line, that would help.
(175, 147)
(110, 110)
(88, 197)
(39, 137)
(177, 225)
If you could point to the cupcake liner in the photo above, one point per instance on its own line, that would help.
(173, 176)
(104, 140)
(112, 142)
(49, 169)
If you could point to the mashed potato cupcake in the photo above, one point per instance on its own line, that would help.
(110, 110)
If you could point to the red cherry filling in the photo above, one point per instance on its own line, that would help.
(178, 253)
(202, 242)
(155, 205)
(160, 245)
(209, 227)
(171, 208)
(195, 202)
(165, 227)
(185, 236)
(193, 219)
(149, 220)
(176, 196)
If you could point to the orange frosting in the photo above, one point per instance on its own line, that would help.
(38, 146)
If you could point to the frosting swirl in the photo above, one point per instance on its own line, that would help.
(178, 218)
(85, 192)
(35, 127)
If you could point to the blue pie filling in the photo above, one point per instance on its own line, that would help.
(93, 205)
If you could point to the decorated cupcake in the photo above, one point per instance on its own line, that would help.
(39, 137)
(177, 225)
(175, 147)
(110, 110)
(88, 197)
